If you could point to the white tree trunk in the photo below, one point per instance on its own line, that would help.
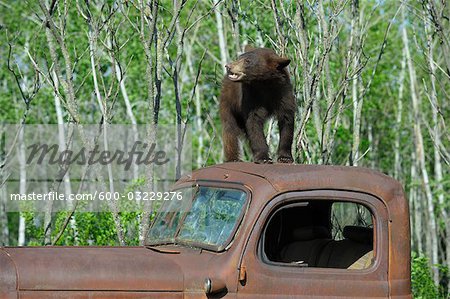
(103, 108)
(357, 94)
(398, 122)
(221, 36)
(198, 108)
(420, 151)
(4, 241)
(63, 147)
(121, 80)
(438, 174)
(22, 185)
(416, 206)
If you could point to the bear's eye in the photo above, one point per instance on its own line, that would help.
(247, 61)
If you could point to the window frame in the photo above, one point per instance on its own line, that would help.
(375, 205)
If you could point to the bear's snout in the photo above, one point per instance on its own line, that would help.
(234, 71)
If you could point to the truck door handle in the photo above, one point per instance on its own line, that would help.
(242, 275)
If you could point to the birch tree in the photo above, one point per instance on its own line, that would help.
(436, 124)
(420, 154)
(22, 185)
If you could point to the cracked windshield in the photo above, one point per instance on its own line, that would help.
(210, 218)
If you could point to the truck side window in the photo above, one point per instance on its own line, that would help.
(321, 234)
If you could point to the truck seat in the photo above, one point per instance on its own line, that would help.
(306, 245)
(343, 253)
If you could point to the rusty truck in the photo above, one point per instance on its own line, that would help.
(245, 231)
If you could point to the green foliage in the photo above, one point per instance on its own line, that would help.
(423, 286)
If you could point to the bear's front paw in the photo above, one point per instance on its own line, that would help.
(287, 160)
(263, 161)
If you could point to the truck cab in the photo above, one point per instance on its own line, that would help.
(242, 230)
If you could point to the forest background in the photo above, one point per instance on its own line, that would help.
(371, 78)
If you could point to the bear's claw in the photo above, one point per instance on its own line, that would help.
(234, 160)
(287, 160)
(264, 161)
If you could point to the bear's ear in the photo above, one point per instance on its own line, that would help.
(283, 62)
(249, 48)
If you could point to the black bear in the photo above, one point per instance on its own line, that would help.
(256, 87)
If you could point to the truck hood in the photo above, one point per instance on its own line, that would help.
(92, 268)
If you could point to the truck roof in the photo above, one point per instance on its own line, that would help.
(293, 177)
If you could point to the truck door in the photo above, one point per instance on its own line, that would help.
(317, 244)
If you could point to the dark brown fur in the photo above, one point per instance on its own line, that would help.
(256, 87)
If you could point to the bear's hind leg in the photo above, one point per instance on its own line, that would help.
(230, 135)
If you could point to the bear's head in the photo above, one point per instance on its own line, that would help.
(257, 64)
